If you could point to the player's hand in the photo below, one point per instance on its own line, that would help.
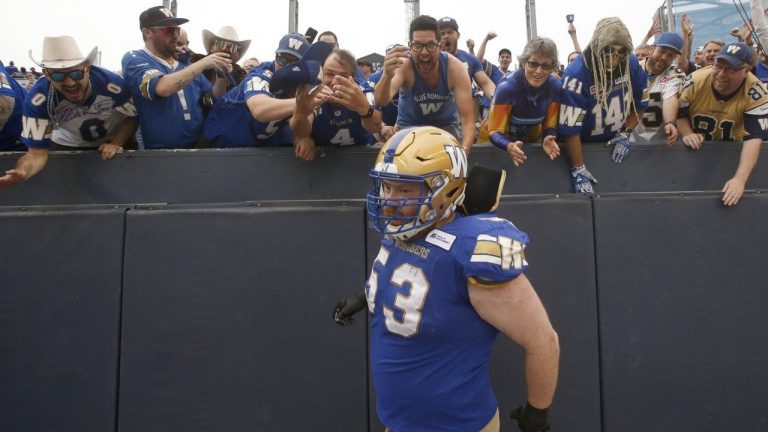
(686, 24)
(550, 147)
(387, 131)
(12, 177)
(490, 35)
(215, 60)
(394, 59)
(515, 151)
(348, 307)
(571, 29)
(621, 146)
(305, 148)
(530, 418)
(348, 93)
(693, 140)
(672, 134)
(307, 101)
(109, 150)
(582, 180)
(471, 44)
(732, 191)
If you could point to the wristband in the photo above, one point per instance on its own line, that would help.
(369, 113)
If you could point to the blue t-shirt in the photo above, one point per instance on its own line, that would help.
(336, 125)
(579, 113)
(11, 132)
(424, 106)
(175, 121)
(48, 116)
(429, 347)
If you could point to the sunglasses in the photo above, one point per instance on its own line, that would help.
(283, 60)
(610, 50)
(76, 75)
(544, 66)
(168, 31)
(419, 47)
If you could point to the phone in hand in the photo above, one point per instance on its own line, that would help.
(569, 18)
(310, 34)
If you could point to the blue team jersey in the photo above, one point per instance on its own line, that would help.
(579, 112)
(761, 72)
(11, 132)
(424, 106)
(230, 123)
(429, 348)
(388, 112)
(495, 75)
(175, 121)
(48, 116)
(336, 125)
(519, 112)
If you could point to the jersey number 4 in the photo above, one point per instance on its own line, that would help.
(410, 302)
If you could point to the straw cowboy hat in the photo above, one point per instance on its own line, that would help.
(226, 33)
(60, 52)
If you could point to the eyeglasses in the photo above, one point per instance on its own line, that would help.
(283, 60)
(610, 50)
(419, 47)
(168, 31)
(724, 68)
(58, 76)
(544, 66)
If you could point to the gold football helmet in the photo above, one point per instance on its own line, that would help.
(425, 156)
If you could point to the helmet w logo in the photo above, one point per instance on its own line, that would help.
(733, 49)
(294, 43)
(458, 161)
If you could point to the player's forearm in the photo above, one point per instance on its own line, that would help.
(219, 86)
(575, 40)
(126, 129)
(382, 92)
(173, 82)
(684, 126)
(574, 150)
(301, 126)
(467, 131)
(541, 370)
(32, 162)
(373, 123)
(750, 152)
(669, 108)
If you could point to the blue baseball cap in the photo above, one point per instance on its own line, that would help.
(736, 54)
(448, 22)
(670, 40)
(308, 70)
(293, 44)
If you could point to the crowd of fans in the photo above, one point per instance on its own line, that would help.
(314, 93)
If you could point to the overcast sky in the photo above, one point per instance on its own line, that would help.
(363, 26)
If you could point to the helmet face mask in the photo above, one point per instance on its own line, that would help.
(418, 180)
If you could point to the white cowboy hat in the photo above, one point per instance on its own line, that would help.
(227, 33)
(60, 52)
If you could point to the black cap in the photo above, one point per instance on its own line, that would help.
(448, 22)
(159, 16)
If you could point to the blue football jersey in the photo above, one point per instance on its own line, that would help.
(48, 116)
(422, 105)
(175, 121)
(429, 347)
(388, 112)
(579, 112)
(11, 132)
(336, 125)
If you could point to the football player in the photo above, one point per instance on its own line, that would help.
(434, 88)
(347, 117)
(601, 99)
(726, 102)
(527, 104)
(442, 273)
(664, 82)
(169, 93)
(74, 106)
(11, 101)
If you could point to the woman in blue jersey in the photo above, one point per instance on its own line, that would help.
(525, 106)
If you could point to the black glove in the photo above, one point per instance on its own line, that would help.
(531, 419)
(351, 305)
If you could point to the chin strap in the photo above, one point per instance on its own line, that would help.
(483, 191)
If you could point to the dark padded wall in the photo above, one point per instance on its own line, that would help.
(262, 174)
(562, 270)
(59, 319)
(682, 295)
(227, 320)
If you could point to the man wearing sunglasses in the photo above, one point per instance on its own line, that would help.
(726, 102)
(169, 93)
(434, 87)
(74, 106)
(602, 98)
